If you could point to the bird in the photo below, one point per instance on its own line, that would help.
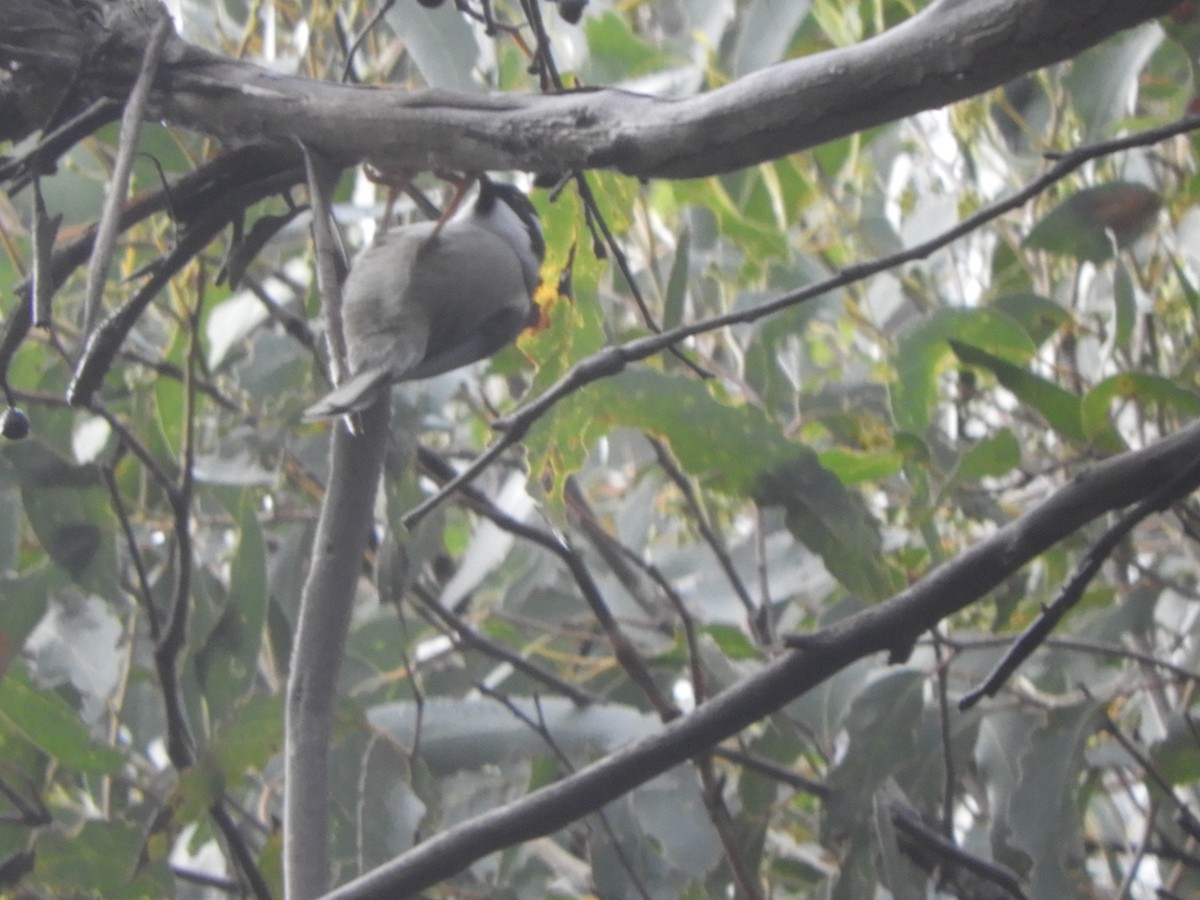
(430, 297)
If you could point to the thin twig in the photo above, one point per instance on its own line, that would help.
(469, 636)
(771, 769)
(44, 231)
(561, 547)
(171, 643)
(1186, 819)
(543, 731)
(322, 178)
(118, 185)
(1071, 592)
(362, 36)
(144, 593)
(941, 672)
(618, 254)
(760, 625)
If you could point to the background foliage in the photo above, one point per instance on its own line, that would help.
(843, 448)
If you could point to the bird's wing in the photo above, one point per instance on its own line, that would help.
(486, 307)
(381, 331)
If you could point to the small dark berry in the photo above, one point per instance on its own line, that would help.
(14, 424)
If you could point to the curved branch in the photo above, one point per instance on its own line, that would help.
(952, 50)
(1106, 486)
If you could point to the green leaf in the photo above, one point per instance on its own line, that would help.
(227, 660)
(732, 642)
(924, 353)
(441, 42)
(673, 304)
(766, 32)
(68, 508)
(994, 456)
(881, 729)
(1190, 294)
(1138, 387)
(760, 241)
(1175, 756)
(1086, 224)
(853, 467)
(1126, 304)
(736, 450)
(47, 722)
(830, 521)
(249, 737)
(1043, 813)
(616, 54)
(103, 859)
(1058, 406)
(1039, 316)
(1101, 79)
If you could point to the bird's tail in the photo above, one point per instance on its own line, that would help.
(353, 396)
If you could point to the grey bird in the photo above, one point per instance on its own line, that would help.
(425, 299)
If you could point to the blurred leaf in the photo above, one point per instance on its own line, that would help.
(1044, 813)
(766, 32)
(924, 353)
(1086, 224)
(1102, 80)
(250, 735)
(390, 815)
(673, 305)
(68, 509)
(881, 734)
(1141, 388)
(1039, 316)
(1125, 303)
(1190, 294)
(104, 859)
(830, 521)
(227, 660)
(761, 242)
(1175, 757)
(441, 42)
(735, 450)
(615, 54)
(732, 642)
(992, 457)
(26, 596)
(48, 723)
(1059, 407)
(853, 467)
(169, 398)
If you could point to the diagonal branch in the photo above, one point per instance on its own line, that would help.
(894, 624)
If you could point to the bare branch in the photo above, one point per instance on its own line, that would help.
(952, 50)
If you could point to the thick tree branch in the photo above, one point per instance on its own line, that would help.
(1109, 485)
(952, 50)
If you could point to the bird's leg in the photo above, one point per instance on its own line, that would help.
(461, 184)
(395, 181)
